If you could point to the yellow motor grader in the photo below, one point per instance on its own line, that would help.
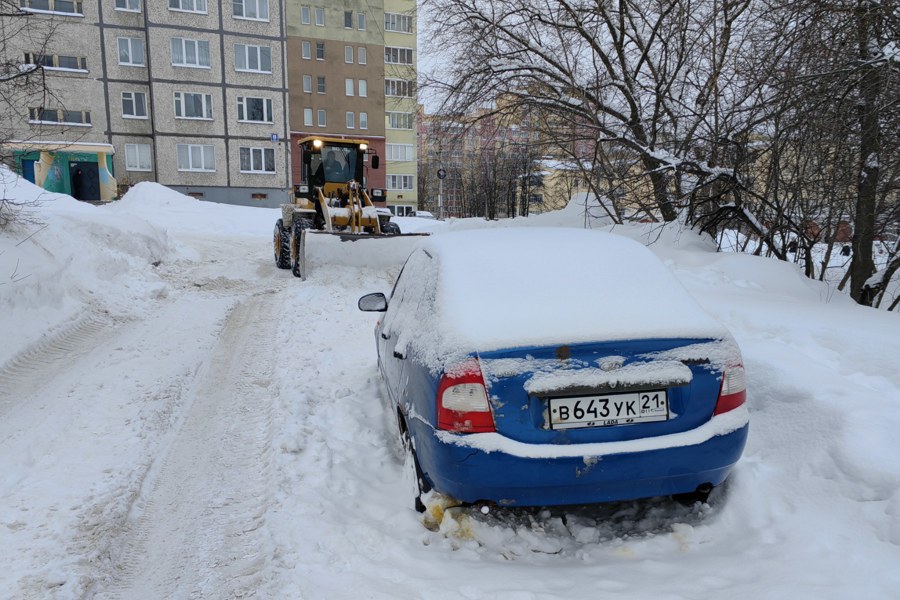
(333, 200)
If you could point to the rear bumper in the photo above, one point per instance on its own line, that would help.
(511, 477)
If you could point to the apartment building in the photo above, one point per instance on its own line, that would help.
(401, 107)
(189, 93)
(352, 74)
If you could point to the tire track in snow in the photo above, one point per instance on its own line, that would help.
(198, 526)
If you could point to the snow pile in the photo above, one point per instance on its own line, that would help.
(812, 511)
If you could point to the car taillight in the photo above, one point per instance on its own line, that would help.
(462, 401)
(733, 392)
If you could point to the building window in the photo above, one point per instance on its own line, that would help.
(398, 23)
(348, 87)
(400, 120)
(361, 21)
(399, 88)
(134, 105)
(193, 106)
(257, 10)
(308, 117)
(254, 59)
(197, 6)
(398, 56)
(129, 5)
(363, 120)
(400, 152)
(320, 84)
(63, 7)
(57, 62)
(320, 16)
(306, 50)
(361, 55)
(348, 55)
(59, 116)
(304, 15)
(320, 50)
(307, 84)
(194, 157)
(255, 110)
(323, 120)
(400, 182)
(351, 120)
(348, 19)
(363, 88)
(257, 160)
(131, 52)
(190, 53)
(137, 157)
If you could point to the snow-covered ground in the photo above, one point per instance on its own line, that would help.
(179, 419)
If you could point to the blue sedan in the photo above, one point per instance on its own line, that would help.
(535, 367)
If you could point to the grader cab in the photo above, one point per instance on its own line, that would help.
(331, 200)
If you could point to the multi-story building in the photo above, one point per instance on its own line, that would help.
(352, 73)
(336, 75)
(189, 93)
(400, 104)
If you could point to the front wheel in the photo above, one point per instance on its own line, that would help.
(298, 259)
(390, 228)
(282, 239)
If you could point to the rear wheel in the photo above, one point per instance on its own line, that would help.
(296, 262)
(390, 228)
(412, 474)
(282, 239)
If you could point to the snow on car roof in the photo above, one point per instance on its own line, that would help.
(541, 286)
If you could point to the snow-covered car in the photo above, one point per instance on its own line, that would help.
(533, 367)
(423, 214)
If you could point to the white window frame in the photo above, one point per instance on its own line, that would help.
(304, 15)
(246, 53)
(320, 84)
(322, 118)
(77, 9)
(185, 43)
(254, 154)
(243, 106)
(348, 86)
(400, 152)
(131, 47)
(348, 55)
(320, 16)
(199, 6)
(33, 58)
(256, 4)
(348, 16)
(361, 21)
(395, 22)
(397, 86)
(134, 104)
(35, 117)
(307, 84)
(361, 55)
(396, 55)
(392, 119)
(322, 46)
(363, 86)
(135, 5)
(190, 167)
(363, 120)
(351, 120)
(393, 180)
(308, 117)
(206, 103)
(133, 157)
(306, 50)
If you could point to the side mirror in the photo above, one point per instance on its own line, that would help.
(373, 303)
(375, 162)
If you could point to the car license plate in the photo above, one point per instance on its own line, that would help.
(610, 409)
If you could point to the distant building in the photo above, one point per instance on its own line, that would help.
(189, 93)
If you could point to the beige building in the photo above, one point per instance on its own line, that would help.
(189, 93)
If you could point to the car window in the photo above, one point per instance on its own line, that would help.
(414, 284)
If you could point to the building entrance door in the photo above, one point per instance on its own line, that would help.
(85, 180)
